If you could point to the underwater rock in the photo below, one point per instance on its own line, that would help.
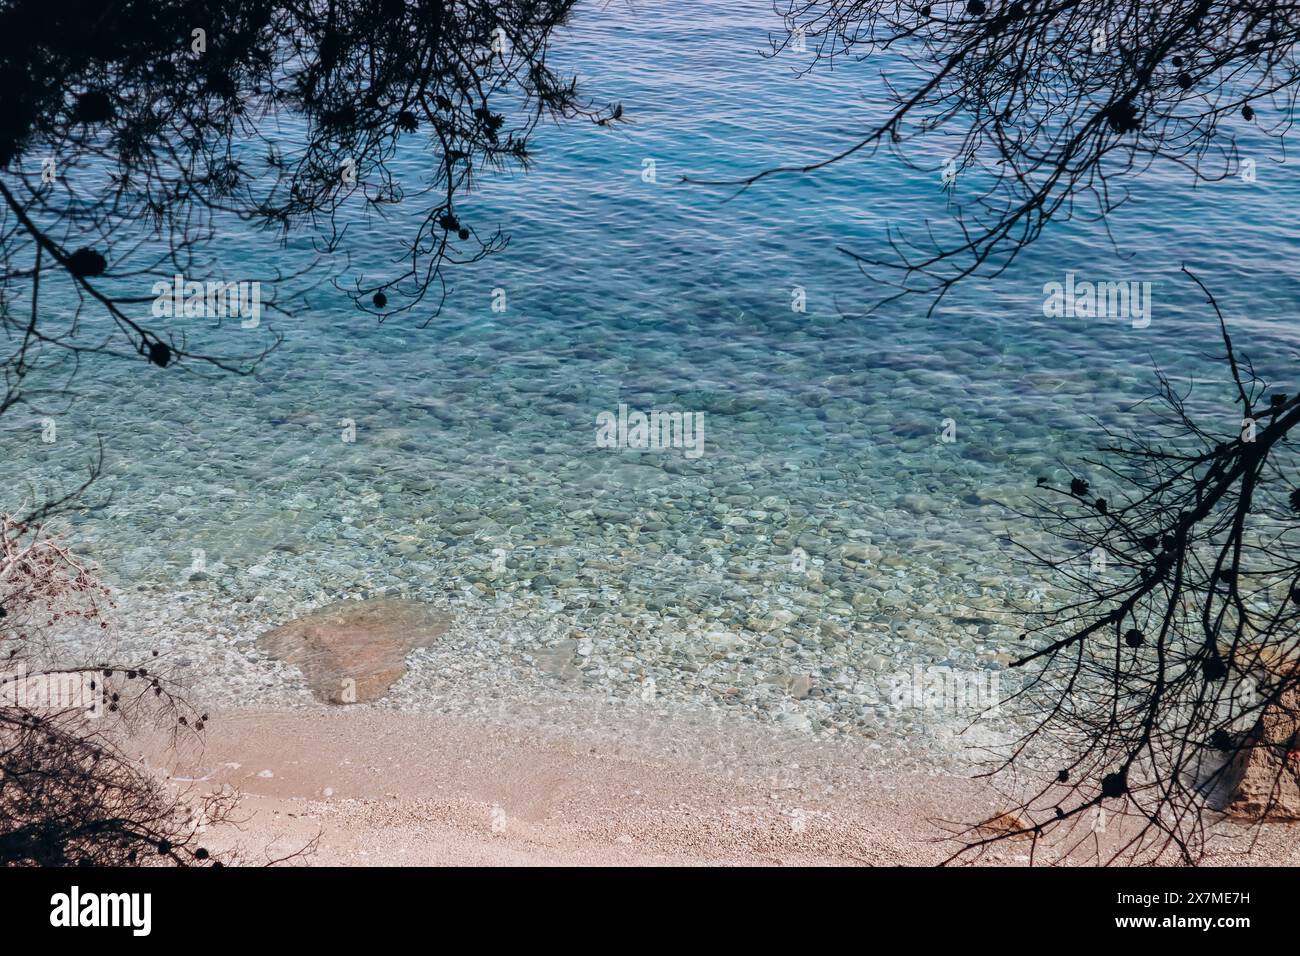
(354, 651)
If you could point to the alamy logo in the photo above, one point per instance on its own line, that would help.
(191, 299)
(947, 689)
(74, 908)
(656, 431)
(51, 691)
(1130, 301)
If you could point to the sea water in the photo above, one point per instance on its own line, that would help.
(841, 552)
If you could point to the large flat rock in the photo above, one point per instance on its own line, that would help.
(354, 651)
(1264, 776)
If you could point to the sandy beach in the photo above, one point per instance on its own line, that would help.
(367, 786)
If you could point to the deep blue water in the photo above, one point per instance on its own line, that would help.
(475, 435)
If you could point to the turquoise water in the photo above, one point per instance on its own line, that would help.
(824, 543)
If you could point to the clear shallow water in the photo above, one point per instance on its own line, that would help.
(475, 480)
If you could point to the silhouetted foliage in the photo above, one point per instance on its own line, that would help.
(69, 794)
(1048, 109)
(1176, 640)
(130, 132)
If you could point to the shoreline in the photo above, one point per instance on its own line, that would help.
(375, 786)
(370, 786)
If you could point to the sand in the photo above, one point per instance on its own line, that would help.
(372, 786)
(364, 785)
